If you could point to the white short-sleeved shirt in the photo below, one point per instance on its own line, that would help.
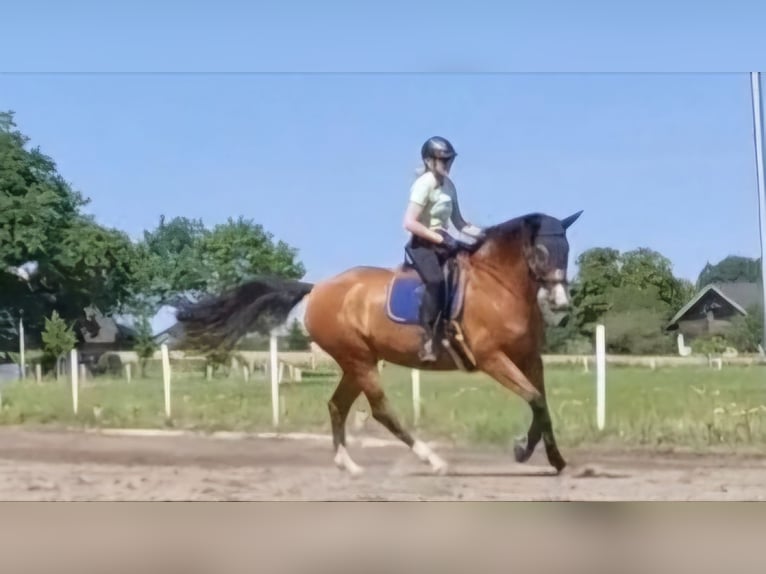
(437, 200)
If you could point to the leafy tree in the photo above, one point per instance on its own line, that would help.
(238, 249)
(93, 265)
(169, 261)
(633, 293)
(598, 273)
(566, 339)
(78, 262)
(181, 256)
(730, 269)
(145, 345)
(647, 269)
(57, 338)
(746, 333)
(35, 201)
(296, 339)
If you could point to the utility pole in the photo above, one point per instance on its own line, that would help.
(755, 87)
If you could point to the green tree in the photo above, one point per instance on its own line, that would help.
(170, 260)
(296, 339)
(598, 274)
(181, 256)
(236, 250)
(145, 345)
(746, 333)
(635, 321)
(647, 269)
(730, 269)
(632, 293)
(57, 338)
(78, 262)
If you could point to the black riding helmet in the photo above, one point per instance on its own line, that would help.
(437, 148)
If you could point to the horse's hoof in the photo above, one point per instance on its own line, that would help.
(344, 462)
(520, 450)
(439, 467)
(355, 471)
(426, 455)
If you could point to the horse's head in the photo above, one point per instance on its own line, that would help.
(545, 249)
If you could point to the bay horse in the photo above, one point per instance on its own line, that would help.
(498, 288)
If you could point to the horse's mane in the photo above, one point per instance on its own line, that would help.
(535, 222)
(509, 227)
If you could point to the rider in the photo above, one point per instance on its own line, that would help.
(433, 201)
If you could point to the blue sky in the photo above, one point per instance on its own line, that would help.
(639, 152)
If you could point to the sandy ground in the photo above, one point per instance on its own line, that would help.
(74, 465)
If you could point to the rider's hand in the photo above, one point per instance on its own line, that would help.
(449, 242)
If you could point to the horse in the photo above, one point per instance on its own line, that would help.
(492, 319)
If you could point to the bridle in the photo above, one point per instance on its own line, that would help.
(533, 265)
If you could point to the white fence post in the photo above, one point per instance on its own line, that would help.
(600, 376)
(74, 371)
(416, 394)
(22, 354)
(166, 377)
(274, 372)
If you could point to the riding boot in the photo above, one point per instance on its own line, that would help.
(428, 313)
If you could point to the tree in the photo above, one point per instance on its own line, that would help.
(183, 257)
(746, 333)
(236, 250)
(296, 339)
(730, 269)
(78, 262)
(145, 344)
(598, 274)
(170, 261)
(647, 269)
(636, 318)
(57, 338)
(632, 293)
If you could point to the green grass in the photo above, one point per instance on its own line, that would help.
(681, 407)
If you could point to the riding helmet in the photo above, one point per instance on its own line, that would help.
(437, 147)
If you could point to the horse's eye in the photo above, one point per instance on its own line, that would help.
(541, 254)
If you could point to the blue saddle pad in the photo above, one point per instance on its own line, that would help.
(404, 296)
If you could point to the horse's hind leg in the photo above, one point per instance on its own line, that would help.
(384, 414)
(339, 405)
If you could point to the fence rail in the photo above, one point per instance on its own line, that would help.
(273, 362)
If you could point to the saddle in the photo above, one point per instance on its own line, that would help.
(405, 295)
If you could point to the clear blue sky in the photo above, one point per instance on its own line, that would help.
(324, 161)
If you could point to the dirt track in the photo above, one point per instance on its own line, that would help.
(59, 465)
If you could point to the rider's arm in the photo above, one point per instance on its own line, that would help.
(418, 198)
(460, 223)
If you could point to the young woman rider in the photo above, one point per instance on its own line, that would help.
(432, 203)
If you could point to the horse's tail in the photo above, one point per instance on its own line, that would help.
(260, 305)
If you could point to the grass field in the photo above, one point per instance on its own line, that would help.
(688, 407)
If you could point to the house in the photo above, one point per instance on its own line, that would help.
(98, 333)
(713, 308)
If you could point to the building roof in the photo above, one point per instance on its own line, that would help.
(739, 295)
(745, 294)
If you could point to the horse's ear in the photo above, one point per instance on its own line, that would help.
(567, 221)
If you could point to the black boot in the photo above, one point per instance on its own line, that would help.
(428, 314)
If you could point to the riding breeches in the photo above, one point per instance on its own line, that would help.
(428, 260)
